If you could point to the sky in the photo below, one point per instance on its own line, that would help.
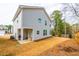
(7, 10)
(9, 7)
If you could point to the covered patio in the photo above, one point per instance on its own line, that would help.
(24, 34)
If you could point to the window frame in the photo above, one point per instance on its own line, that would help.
(50, 25)
(45, 22)
(39, 20)
(44, 32)
(38, 32)
(17, 21)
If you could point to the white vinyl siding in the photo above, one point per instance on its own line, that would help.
(29, 19)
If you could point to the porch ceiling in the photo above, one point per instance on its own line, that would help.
(25, 28)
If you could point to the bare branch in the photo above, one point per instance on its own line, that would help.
(75, 11)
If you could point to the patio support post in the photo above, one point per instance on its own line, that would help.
(22, 34)
(28, 34)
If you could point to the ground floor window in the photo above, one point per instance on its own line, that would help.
(44, 32)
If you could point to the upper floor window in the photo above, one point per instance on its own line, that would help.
(37, 32)
(17, 21)
(45, 22)
(39, 20)
(50, 25)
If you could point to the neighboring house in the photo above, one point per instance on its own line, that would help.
(31, 23)
(2, 32)
(6, 28)
(3, 29)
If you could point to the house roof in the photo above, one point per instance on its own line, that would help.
(25, 6)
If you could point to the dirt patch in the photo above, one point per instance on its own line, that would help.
(11, 47)
(67, 48)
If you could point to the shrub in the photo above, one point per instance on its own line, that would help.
(12, 37)
(52, 32)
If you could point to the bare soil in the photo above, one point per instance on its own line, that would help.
(10, 47)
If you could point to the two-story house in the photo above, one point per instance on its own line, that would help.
(31, 23)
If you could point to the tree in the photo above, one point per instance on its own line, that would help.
(59, 26)
(9, 27)
(71, 7)
(68, 28)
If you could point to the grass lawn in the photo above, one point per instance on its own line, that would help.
(12, 47)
